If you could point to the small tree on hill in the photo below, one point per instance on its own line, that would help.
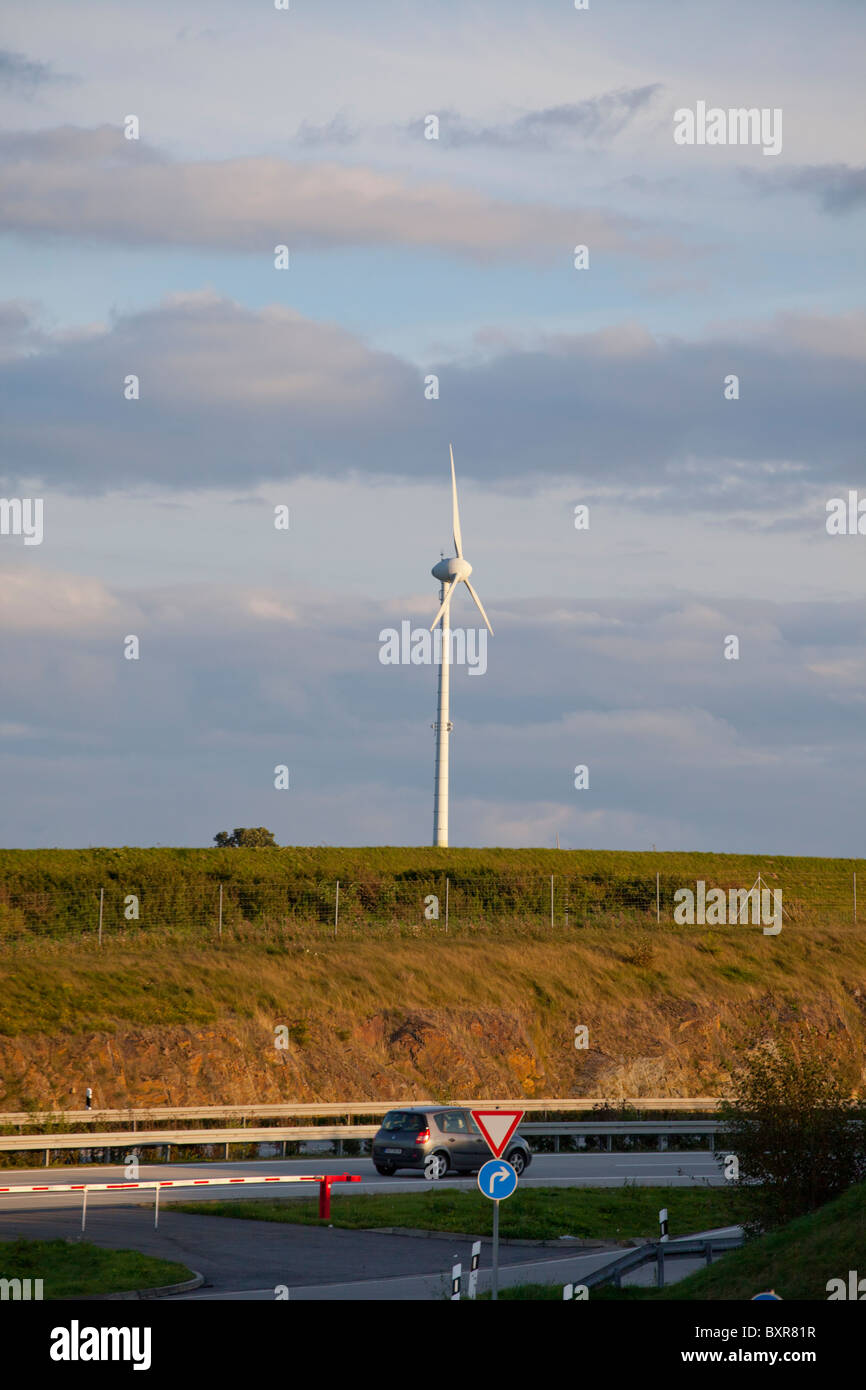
(798, 1136)
(244, 838)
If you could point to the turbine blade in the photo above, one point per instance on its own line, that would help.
(458, 539)
(445, 602)
(478, 605)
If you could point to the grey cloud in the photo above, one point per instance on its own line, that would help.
(17, 70)
(335, 132)
(19, 332)
(91, 184)
(838, 188)
(644, 697)
(596, 118)
(228, 393)
(62, 145)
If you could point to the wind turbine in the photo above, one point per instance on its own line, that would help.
(450, 573)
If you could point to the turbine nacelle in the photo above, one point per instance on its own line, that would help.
(454, 568)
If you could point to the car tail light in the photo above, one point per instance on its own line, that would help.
(423, 1137)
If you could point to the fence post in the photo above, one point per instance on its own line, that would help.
(447, 885)
(551, 899)
(101, 897)
(337, 908)
(221, 912)
(658, 901)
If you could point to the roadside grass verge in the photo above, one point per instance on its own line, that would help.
(533, 1213)
(797, 1261)
(69, 1269)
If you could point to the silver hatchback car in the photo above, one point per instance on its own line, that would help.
(438, 1139)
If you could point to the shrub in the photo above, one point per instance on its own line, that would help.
(799, 1138)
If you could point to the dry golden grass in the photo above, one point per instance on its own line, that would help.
(669, 1012)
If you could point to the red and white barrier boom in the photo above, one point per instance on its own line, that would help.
(324, 1182)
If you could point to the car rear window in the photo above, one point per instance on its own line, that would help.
(403, 1120)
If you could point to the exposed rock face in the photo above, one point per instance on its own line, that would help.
(588, 1015)
(657, 1050)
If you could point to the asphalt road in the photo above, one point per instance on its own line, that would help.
(246, 1261)
(240, 1258)
(546, 1170)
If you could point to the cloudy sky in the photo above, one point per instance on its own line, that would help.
(411, 258)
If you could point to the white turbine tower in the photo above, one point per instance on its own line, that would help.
(450, 573)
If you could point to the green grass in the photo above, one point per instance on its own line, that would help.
(392, 1008)
(797, 1261)
(70, 1269)
(533, 1213)
(54, 891)
(157, 1021)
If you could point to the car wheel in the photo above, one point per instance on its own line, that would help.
(386, 1169)
(435, 1167)
(517, 1159)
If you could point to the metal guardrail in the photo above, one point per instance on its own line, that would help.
(623, 1127)
(192, 1138)
(610, 1129)
(659, 1251)
(330, 1109)
(162, 1138)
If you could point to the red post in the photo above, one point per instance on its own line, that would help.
(325, 1189)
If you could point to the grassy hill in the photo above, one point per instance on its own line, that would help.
(280, 891)
(669, 1013)
(797, 1261)
(167, 1011)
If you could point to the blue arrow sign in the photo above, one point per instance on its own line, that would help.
(497, 1179)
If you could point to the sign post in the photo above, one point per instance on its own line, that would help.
(497, 1179)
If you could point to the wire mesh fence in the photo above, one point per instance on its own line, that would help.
(411, 904)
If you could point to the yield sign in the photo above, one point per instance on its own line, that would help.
(497, 1126)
